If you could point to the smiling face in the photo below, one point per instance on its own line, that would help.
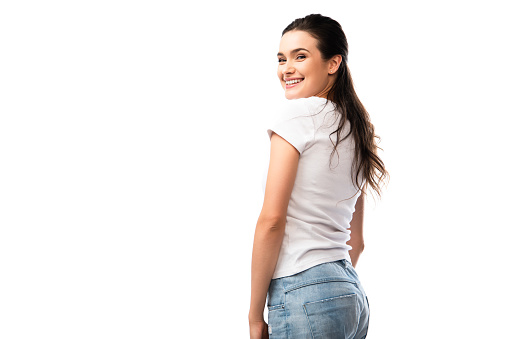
(302, 72)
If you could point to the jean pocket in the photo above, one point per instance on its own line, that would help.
(275, 307)
(276, 321)
(335, 317)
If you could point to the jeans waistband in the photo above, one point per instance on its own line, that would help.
(339, 270)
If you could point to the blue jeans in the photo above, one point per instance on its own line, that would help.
(324, 301)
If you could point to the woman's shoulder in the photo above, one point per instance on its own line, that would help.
(302, 105)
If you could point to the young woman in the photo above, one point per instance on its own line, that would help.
(314, 193)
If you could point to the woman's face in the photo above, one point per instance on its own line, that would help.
(300, 60)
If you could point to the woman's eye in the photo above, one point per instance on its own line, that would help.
(283, 60)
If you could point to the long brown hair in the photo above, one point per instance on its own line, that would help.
(332, 41)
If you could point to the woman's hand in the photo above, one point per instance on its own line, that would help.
(258, 329)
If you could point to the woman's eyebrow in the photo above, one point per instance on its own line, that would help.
(293, 51)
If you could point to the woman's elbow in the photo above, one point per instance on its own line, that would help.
(357, 246)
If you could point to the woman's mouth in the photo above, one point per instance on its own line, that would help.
(293, 83)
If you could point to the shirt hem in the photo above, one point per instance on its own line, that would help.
(302, 267)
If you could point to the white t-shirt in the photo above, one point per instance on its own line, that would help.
(324, 196)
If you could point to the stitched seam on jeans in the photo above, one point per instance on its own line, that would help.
(286, 326)
(363, 303)
(319, 281)
(359, 316)
(329, 299)
(308, 320)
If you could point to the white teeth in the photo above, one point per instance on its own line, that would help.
(290, 82)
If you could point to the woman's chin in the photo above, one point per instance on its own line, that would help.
(291, 96)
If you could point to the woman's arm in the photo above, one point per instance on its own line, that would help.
(272, 221)
(356, 228)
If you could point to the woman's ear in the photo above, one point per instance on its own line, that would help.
(334, 63)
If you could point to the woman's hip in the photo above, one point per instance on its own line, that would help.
(327, 299)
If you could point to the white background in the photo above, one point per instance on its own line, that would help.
(133, 142)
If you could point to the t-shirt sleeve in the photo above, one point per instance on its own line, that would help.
(294, 123)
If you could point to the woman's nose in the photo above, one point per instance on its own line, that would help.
(287, 70)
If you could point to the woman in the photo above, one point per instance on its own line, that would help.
(313, 201)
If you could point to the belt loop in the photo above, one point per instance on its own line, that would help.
(348, 264)
(342, 262)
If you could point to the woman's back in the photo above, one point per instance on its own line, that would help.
(323, 197)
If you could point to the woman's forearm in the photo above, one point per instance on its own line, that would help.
(265, 253)
(355, 252)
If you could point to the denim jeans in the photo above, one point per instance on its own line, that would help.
(324, 301)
